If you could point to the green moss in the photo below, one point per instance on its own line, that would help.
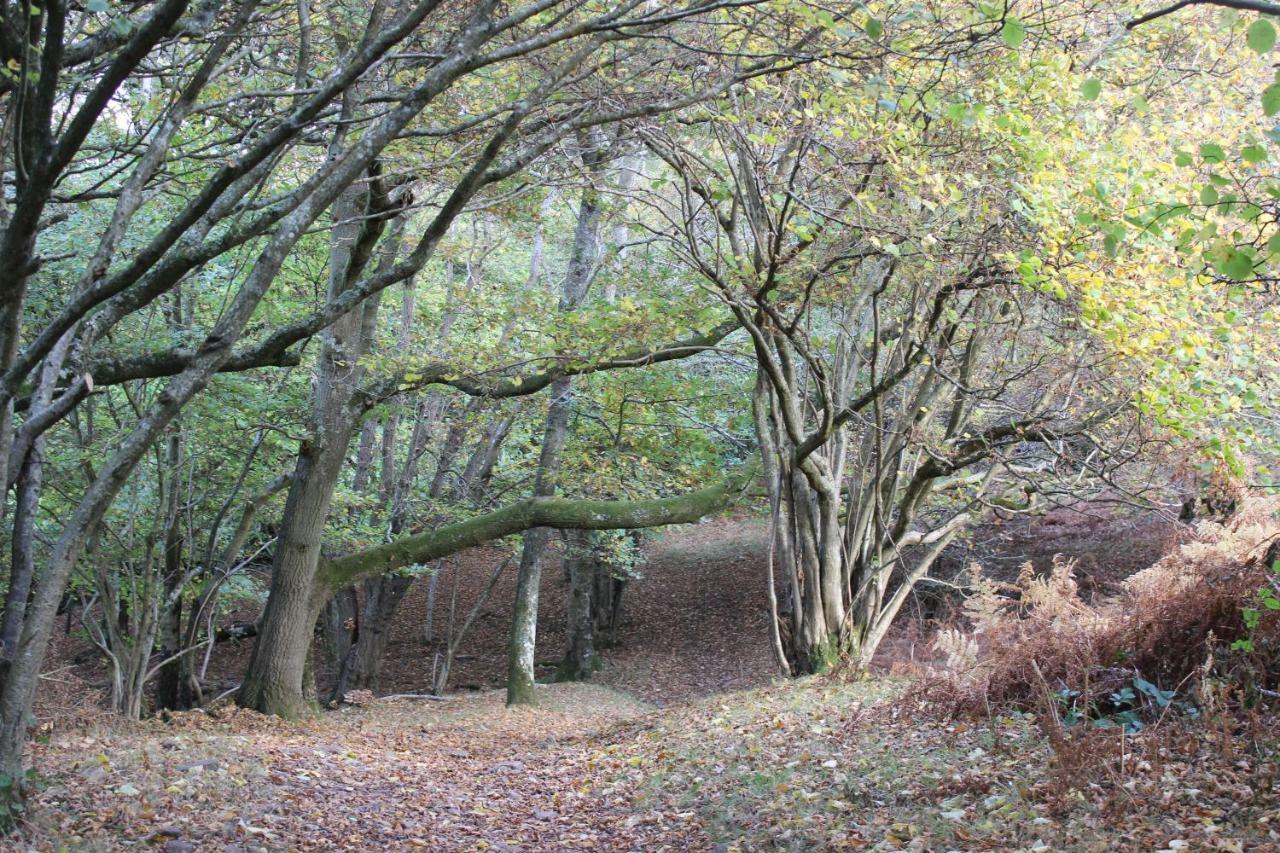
(569, 671)
(563, 513)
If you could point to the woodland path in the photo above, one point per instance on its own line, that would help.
(695, 623)
(459, 774)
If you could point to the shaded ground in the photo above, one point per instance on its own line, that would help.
(1107, 542)
(695, 623)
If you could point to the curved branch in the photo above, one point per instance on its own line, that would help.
(563, 513)
(1260, 6)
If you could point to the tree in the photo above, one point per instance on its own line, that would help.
(200, 177)
(907, 377)
(584, 262)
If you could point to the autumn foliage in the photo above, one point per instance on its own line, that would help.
(1196, 625)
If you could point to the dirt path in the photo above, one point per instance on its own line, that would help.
(697, 622)
(459, 774)
(463, 774)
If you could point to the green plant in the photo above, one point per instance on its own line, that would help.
(1267, 600)
(12, 789)
(1127, 708)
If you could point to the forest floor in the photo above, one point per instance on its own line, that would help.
(684, 743)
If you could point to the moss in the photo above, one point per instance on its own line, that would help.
(563, 513)
(521, 691)
(570, 671)
(824, 656)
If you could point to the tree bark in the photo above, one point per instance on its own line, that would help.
(577, 280)
(275, 680)
(170, 687)
(580, 659)
(382, 597)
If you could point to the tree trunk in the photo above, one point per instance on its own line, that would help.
(582, 267)
(479, 470)
(22, 565)
(580, 659)
(170, 688)
(454, 438)
(524, 621)
(28, 488)
(273, 683)
(382, 597)
(275, 680)
(341, 628)
(606, 603)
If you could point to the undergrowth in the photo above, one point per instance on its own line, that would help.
(1192, 632)
(1185, 660)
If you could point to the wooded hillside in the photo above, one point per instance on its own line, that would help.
(300, 306)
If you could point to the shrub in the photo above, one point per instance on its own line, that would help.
(1208, 607)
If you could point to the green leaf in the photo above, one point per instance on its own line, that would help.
(1253, 153)
(1208, 195)
(1260, 36)
(1212, 153)
(1235, 264)
(1091, 89)
(1182, 159)
(1013, 32)
(874, 28)
(1271, 99)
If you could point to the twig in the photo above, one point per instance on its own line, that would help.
(223, 695)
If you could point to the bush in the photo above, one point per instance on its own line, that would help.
(1203, 618)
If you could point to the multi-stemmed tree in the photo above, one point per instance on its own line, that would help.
(909, 371)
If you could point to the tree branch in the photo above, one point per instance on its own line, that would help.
(563, 513)
(1260, 6)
